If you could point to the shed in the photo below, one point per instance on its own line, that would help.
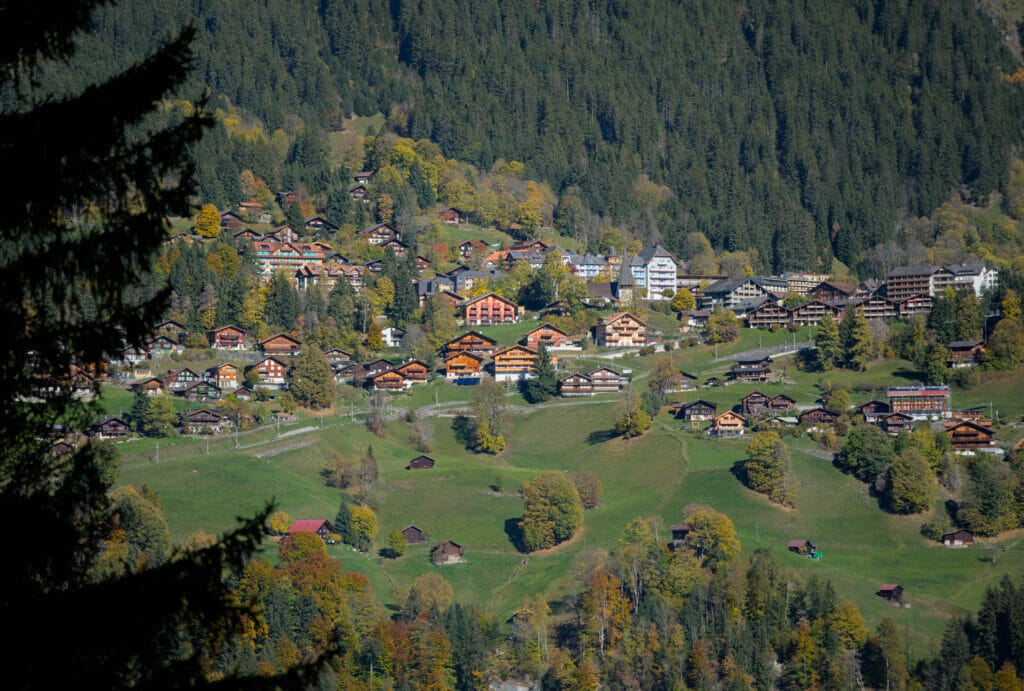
(891, 593)
(446, 552)
(958, 538)
(802, 547)
(412, 534)
(421, 463)
(679, 533)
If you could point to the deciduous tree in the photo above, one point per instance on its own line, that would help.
(208, 221)
(552, 511)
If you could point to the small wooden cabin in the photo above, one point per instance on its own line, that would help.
(575, 385)
(421, 463)
(754, 404)
(110, 428)
(728, 424)
(818, 417)
(894, 423)
(605, 380)
(802, 547)
(893, 594)
(446, 552)
(958, 538)
(412, 535)
(281, 344)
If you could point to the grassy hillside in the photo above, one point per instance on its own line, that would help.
(471, 498)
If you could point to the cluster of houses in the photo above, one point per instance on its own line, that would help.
(968, 432)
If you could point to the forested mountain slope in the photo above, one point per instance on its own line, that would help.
(800, 128)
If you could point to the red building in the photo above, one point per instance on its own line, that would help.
(489, 309)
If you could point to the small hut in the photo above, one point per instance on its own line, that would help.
(421, 463)
(802, 547)
(446, 552)
(893, 594)
(958, 538)
(412, 535)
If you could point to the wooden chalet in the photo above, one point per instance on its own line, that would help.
(203, 419)
(831, 291)
(175, 330)
(280, 344)
(151, 386)
(400, 249)
(177, 379)
(451, 216)
(363, 177)
(243, 393)
(893, 594)
(752, 369)
(319, 224)
(802, 547)
(271, 371)
(958, 538)
(379, 234)
(374, 367)
(247, 234)
(284, 233)
(695, 410)
(412, 535)
(109, 428)
(351, 372)
(471, 248)
(163, 346)
(575, 385)
(515, 362)
(818, 417)
(968, 437)
(781, 403)
(714, 382)
(605, 380)
(414, 371)
(769, 313)
(422, 264)
(446, 552)
(202, 391)
(229, 219)
(471, 342)
(620, 330)
(811, 313)
(62, 448)
(421, 463)
(966, 353)
(728, 424)
(389, 380)
(320, 526)
(227, 338)
(688, 382)
(337, 356)
(873, 411)
(679, 533)
(894, 423)
(550, 336)
(360, 193)
(919, 401)
(489, 309)
(754, 404)
(224, 375)
(464, 365)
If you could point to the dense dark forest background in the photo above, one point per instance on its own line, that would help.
(803, 129)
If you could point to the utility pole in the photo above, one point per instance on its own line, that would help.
(278, 418)
(207, 446)
(236, 429)
(158, 452)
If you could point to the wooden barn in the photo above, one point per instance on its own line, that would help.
(446, 552)
(958, 538)
(412, 535)
(802, 547)
(421, 463)
(893, 594)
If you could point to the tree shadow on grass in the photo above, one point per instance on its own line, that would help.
(739, 471)
(515, 534)
(463, 428)
(600, 436)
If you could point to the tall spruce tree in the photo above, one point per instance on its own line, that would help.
(544, 384)
(826, 339)
(67, 290)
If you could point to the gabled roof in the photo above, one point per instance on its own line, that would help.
(612, 318)
(473, 333)
(464, 353)
(110, 419)
(307, 525)
(575, 374)
(649, 253)
(920, 270)
(378, 226)
(604, 368)
(226, 327)
(546, 325)
(964, 345)
(690, 404)
(514, 346)
(478, 298)
(782, 395)
(281, 335)
(798, 543)
(190, 413)
(265, 359)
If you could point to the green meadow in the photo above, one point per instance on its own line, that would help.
(471, 499)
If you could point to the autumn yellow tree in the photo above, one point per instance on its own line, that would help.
(605, 611)
(208, 221)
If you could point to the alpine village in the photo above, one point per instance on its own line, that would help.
(515, 345)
